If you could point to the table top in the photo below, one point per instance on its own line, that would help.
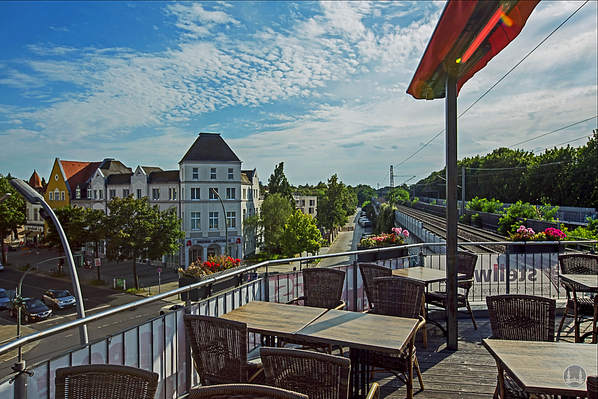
(336, 327)
(583, 282)
(423, 274)
(545, 366)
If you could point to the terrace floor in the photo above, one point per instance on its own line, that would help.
(469, 372)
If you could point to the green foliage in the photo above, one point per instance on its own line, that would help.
(364, 193)
(397, 195)
(95, 282)
(484, 205)
(278, 184)
(139, 230)
(12, 212)
(476, 220)
(465, 218)
(524, 211)
(385, 220)
(72, 220)
(275, 211)
(332, 206)
(300, 235)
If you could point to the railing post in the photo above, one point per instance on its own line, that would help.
(355, 284)
(266, 286)
(508, 270)
(20, 380)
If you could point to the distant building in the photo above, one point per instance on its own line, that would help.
(307, 204)
(34, 223)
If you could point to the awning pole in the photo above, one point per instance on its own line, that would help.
(451, 208)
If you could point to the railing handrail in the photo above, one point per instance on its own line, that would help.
(212, 280)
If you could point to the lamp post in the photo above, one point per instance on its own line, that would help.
(225, 225)
(34, 197)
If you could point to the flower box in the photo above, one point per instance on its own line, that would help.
(375, 256)
(536, 248)
(210, 289)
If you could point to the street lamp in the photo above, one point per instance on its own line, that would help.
(225, 224)
(34, 197)
(4, 197)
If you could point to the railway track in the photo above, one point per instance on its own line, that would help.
(465, 233)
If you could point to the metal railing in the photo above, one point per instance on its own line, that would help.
(160, 343)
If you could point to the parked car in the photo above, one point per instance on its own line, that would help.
(1, 267)
(171, 307)
(4, 299)
(59, 299)
(33, 310)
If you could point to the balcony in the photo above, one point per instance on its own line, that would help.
(160, 344)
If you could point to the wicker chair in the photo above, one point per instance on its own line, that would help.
(243, 391)
(322, 288)
(592, 386)
(578, 305)
(317, 375)
(401, 297)
(370, 271)
(219, 351)
(105, 381)
(465, 265)
(520, 317)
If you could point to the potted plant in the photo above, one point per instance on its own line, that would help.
(216, 265)
(528, 234)
(397, 237)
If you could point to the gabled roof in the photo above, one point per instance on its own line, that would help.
(168, 176)
(119, 178)
(76, 172)
(210, 147)
(34, 181)
(245, 179)
(149, 169)
(111, 166)
(250, 173)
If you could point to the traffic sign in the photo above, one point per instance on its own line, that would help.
(159, 270)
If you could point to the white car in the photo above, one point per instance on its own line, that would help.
(59, 299)
(171, 307)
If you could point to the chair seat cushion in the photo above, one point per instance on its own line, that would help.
(438, 298)
(390, 362)
(585, 305)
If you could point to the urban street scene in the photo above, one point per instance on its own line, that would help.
(269, 199)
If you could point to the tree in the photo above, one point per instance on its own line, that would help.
(71, 219)
(364, 193)
(397, 195)
(95, 231)
(274, 213)
(330, 205)
(12, 212)
(278, 184)
(300, 234)
(135, 229)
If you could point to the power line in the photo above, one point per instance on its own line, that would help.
(566, 142)
(554, 131)
(500, 80)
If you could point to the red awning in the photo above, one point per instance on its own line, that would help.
(496, 23)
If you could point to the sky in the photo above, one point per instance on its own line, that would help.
(320, 86)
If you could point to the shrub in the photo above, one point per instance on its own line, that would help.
(476, 220)
(465, 218)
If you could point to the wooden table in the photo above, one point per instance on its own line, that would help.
(583, 283)
(362, 332)
(541, 367)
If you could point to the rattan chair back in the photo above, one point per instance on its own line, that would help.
(592, 386)
(218, 348)
(578, 264)
(323, 287)
(105, 381)
(466, 262)
(243, 391)
(399, 296)
(522, 317)
(317, 375)
(370, 271)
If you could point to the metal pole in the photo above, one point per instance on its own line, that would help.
(451, 208)
(463, 192)
(225, 225)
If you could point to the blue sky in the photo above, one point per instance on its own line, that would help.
(320, 86)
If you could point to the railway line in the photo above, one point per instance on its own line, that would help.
(465, 233)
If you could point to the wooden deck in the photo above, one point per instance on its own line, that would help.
(469, 372)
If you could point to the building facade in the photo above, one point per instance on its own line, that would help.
(307, 204)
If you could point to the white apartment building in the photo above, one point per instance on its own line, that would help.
(216, 197)
(308, 204)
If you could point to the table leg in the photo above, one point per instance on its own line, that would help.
(359, 381)
(501, 380)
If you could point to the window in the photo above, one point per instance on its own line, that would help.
(155, 194)
(231, 174)
(35, 212)
(230, 193)
(195, 173)
(126, 192)
(101, 194)
(88, 192)
(212, 195)
(213, 173)
(244, 214)
(195, 193)
(172, 194)
(231, 220)
(244, 193)
(51, 196)
(213, 221)
(195, 221)
(138, 193)
(78, 192)
(112, 193)
(95, 194)
(62, 195)
(311, 211)
(312, 202)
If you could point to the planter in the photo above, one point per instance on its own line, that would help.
(375, 256)
(210, 289)
(536, 249)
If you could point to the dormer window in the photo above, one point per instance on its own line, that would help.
(78, 192)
